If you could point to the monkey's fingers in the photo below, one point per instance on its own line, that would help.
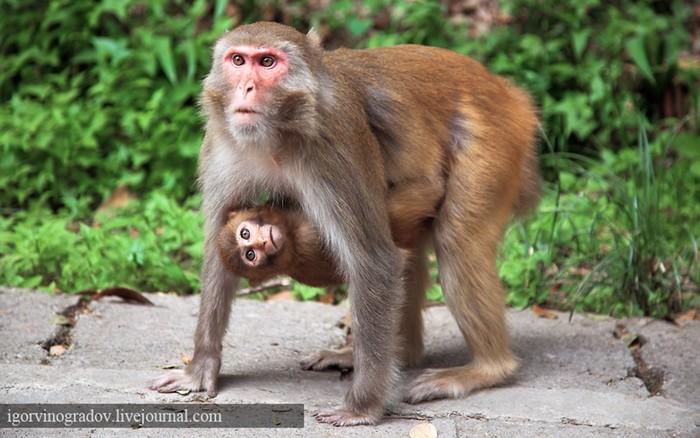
(329, 360)
(342, 416)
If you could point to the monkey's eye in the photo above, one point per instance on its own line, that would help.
(250, 255)
(245, 233)
(267, 61)
(237, 60)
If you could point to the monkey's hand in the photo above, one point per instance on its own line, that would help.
(342, 416)
(197, 377)
(329, 360)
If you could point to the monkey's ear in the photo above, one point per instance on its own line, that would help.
(313, 38)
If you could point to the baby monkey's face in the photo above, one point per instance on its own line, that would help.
(257, 241)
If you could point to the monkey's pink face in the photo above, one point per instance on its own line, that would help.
(257, 242)
(251, 72)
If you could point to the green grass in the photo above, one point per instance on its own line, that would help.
(617, 236)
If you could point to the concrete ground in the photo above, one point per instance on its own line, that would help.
(577, 378)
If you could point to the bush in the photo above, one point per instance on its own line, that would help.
(105, 99)
(595, 66)
(153, 245)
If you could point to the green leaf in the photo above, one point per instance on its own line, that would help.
(31, 282)
(220, 7)
(688, 145)
(164, 53)
(111, 48)
(307, 292)
(579, 41)
(190, 51)
(136, 252)
(695, 169)
(117, 7)
(358, 27)
(637, 50)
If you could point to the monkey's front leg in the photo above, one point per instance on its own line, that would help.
(376, 299)
(218, 288)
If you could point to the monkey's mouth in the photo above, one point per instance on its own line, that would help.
(276, 238)
(246, 116)
(272, 238)
(245, 111)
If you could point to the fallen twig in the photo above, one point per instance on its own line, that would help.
(278, 282)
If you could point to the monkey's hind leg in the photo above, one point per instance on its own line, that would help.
(466, 234)
(411, 329)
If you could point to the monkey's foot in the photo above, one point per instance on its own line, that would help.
(179, 380)
(342, 416)
(329, 359)
(452, 382)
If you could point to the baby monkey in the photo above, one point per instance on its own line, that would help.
(264, 242)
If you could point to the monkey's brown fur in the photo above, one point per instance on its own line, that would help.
(339, 132)
(303, 257)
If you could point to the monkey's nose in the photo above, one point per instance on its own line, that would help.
(248, 87)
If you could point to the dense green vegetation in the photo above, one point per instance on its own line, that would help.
(98, 99)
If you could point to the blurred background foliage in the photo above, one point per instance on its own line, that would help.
(99, 134)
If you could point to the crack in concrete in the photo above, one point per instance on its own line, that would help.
(63, 334)
(62, 337)
(652, 377)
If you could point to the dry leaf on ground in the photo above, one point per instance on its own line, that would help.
(124, 293)
(57, 350)
(543, 313)
(682, 318)
(423, 430)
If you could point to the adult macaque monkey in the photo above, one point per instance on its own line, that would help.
(336, 132)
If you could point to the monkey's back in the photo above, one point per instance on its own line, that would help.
(428, 105)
